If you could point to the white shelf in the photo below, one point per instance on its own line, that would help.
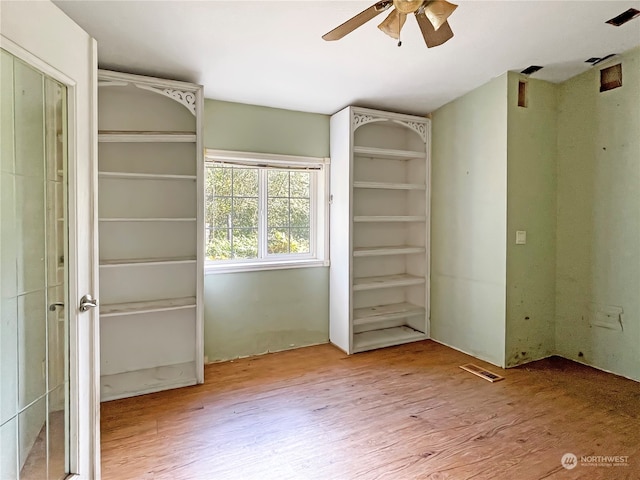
(134, 308)
(148, 219)
(389, 218)
(374, 152)
(390, 186)
(380, 210)
(143, 176)
(113, 136)
(146, 261)
(151, 234)
(149, 380)
(382, 313)
(380, 251)
(386, 281)
(385, 337)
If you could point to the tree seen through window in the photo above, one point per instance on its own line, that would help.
(235, 198)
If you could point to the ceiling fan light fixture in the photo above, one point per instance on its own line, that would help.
(438, 11)
(431, 15)
(407, 6)
(393, 24)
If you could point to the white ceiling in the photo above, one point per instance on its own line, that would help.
(270, 52)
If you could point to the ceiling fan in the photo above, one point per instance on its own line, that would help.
(431, 16)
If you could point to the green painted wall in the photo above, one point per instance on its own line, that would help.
(251, 313)
(469, 222)
(531, 206)
(598, 249)
(250, 128)
(572, 161)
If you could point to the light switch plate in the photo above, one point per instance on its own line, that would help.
(521, 237)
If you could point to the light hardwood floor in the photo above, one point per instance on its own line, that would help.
(400, 413)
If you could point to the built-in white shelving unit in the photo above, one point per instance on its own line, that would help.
(150, 204)
(380, 190)
(105, 136)
(386, 281)
(390, 186)
(149, 219)
(133, 308)
(380, 251)
(145, 176)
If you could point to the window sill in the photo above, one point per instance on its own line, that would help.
(212, 269)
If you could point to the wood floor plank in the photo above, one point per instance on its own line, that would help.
(400, 413)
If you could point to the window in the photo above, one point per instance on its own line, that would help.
(264, 211)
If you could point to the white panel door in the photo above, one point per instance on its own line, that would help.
(45, 40)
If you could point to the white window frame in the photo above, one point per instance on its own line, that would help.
(318, 215)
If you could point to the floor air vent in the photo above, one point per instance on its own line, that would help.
(481, 372)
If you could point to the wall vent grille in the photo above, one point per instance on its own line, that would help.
(522, 94)
(611, 77)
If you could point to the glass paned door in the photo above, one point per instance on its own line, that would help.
(34, 326)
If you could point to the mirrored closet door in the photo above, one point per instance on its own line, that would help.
(34, 326)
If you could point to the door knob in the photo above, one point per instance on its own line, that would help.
(88, 302)
(52, 307)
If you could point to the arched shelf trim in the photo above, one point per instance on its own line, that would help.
(360, 119)
(185, 98)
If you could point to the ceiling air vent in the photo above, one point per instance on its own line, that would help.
(624, 17)
(531, 69)
(597, 60)
(611, 77)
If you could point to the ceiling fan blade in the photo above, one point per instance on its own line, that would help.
(432, 37)
(357, 21)
(438, 12)
(393, 23)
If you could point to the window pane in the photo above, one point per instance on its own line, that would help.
(245, 182)
(300, 184)
(245, 243)
(278, 241)
(233, 212)
(245, 212)
(222, 213)
(278, 212)
(219, 246)
(208, 184)
(300, 240)
(278, 183)
(221, 181)
(209, 204)
(299, 212)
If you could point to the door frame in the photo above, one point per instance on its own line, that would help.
(42, 36)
